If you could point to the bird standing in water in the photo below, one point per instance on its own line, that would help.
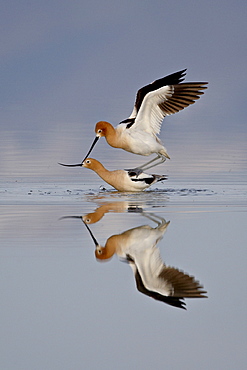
(138, 133)
(122, 180)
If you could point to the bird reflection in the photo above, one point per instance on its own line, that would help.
(138, 247)
(117, 207)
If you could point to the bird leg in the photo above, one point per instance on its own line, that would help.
(145, 166)
(138, 170)
(156, 219)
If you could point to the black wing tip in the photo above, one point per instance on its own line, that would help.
(175, 302)
(183, 72)
(179, 76)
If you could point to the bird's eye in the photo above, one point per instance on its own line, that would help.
(99, 131)
(99, 251)
(88, 220)
(87, 161)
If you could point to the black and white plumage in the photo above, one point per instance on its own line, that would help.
(138, 247)
(168, 284)
(123, 180)
(182, 96)
(138, 133)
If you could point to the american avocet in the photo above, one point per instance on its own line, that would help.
(138, 247)
(116, 207)
(122, 180)
(138, 133)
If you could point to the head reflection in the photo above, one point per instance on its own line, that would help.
(116, 207)
(138, 247)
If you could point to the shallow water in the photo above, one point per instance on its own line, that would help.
(61, 308)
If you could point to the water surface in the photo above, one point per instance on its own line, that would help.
(62, 308)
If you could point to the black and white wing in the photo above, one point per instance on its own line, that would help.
(172, 79)
(167, 100)
(145, 178)
(162, 98)
(181, 286)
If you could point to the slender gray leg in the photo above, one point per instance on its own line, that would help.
(152, 160)
(138, 170)
(151, 216)
(160, 156)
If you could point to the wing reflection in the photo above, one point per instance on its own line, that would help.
(138, 247)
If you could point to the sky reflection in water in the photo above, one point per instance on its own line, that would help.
(51, 280)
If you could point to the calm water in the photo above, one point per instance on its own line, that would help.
(63, 309)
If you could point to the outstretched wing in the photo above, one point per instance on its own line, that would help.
(165, 101)
(172, 79)
(172, 301)
(183, 285)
